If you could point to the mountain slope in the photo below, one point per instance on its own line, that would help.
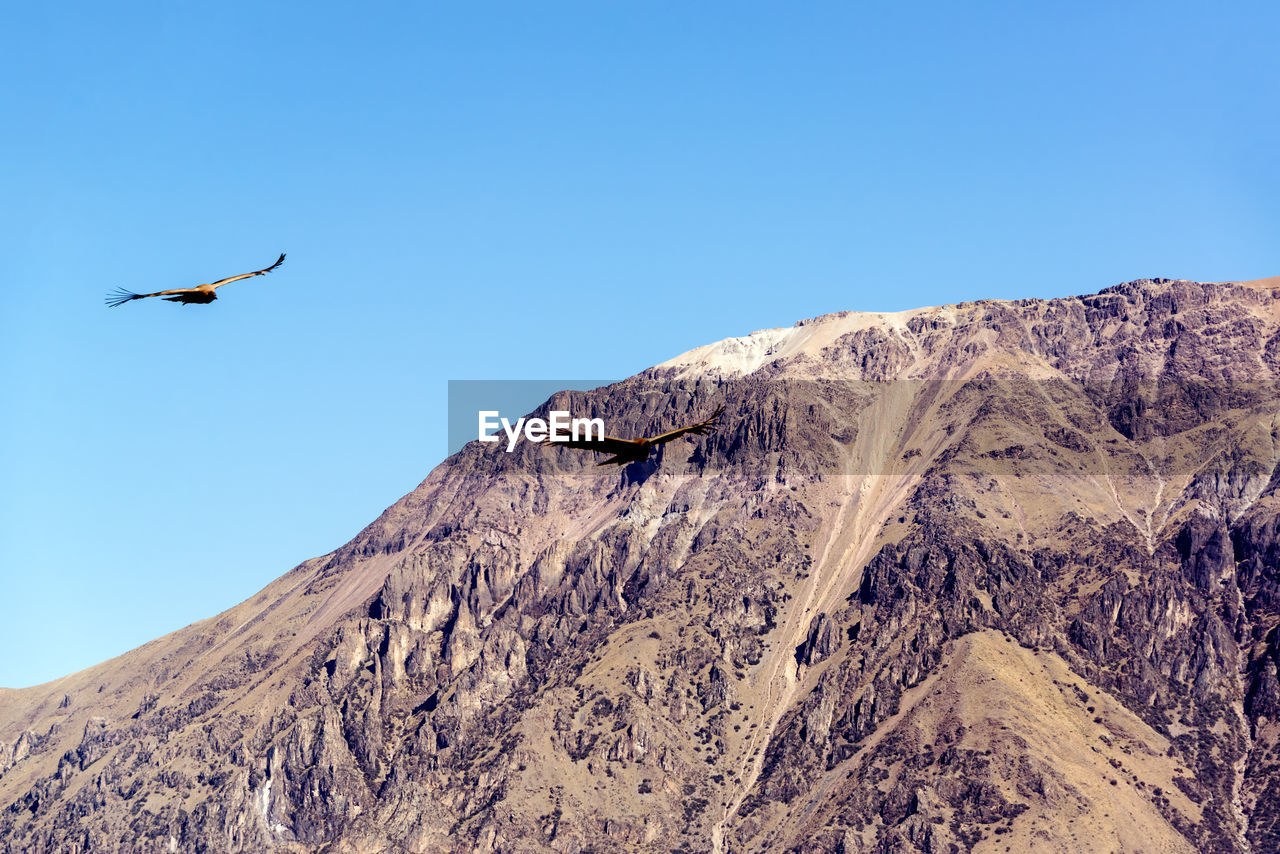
(993, 575)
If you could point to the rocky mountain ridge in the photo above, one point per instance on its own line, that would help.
(991, 576)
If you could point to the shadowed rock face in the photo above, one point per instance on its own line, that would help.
(995, 575)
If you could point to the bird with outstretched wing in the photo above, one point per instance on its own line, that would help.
(199, 295)
(626, 451)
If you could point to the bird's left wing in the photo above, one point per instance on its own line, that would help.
(120, 296)
(702, 428)
(222, 282)
(606, 444)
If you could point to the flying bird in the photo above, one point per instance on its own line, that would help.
(200, 294)
(626, 451)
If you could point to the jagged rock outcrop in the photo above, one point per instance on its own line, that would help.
(987, 576)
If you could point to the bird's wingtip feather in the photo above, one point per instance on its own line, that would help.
(119, 297)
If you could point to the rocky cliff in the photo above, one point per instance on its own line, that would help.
(996, 576)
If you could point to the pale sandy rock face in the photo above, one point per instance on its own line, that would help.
(748, 354)
(986, 576)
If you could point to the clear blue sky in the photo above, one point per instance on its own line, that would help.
(524, 190)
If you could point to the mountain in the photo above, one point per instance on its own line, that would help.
(994, 576)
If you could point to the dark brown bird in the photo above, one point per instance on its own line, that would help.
(626, 451)
(200, 294)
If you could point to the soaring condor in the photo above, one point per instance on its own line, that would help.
(626, 451)
(200, 294)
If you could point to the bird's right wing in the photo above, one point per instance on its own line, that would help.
(120, 296)
(702, 428)
(261, 272)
